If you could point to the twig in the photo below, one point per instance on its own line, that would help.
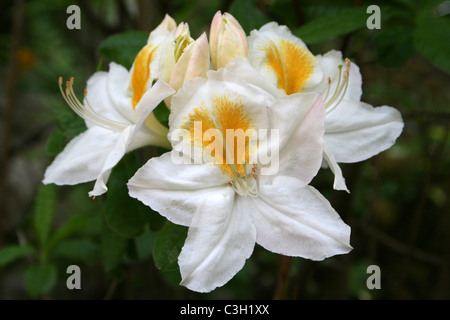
(400, 247)
(283, 275)
(111, 290)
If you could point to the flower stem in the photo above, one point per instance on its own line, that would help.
(283, 275)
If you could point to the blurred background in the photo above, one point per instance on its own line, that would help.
(398, 207)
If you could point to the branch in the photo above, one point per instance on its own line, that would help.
(400, 247)
(285, 265)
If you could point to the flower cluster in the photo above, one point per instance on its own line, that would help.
(252, 121)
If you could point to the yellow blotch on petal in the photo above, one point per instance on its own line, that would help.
(141, 73)
(291, 63)
(225, 114)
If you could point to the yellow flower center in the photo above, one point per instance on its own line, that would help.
(227, 121)
(291, 63)
(141, 73)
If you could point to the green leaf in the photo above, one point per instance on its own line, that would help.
(100, 66)
(70, 124)
(394, 45)
(122, 48)
(162, 113)
(330, 27)
(73, 225)
(56, 142)
(248, 15)
(144, 244)
(44, 210)
(77, 249)
(155, 220)
(13, 252)
(168, 246)
(124, 215)
(40, 279)
(113, 248)
(426, 7)
(432, 40)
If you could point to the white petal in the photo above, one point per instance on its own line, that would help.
(242, 67)
(98, 98)
(298, 221)
(186, 93)
(175, 190)
(356, 131)
(135, 136)
(118, 91)
(114, 156)
(219, 241)
(339, 181)
(301, 118)
(82, 158)
(149, 131)
(330, 62)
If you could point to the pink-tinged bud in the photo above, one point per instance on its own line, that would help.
(168, 23)
(163, 29)
(227, 40)
(193, 62)
(182, 58)
(173, 49)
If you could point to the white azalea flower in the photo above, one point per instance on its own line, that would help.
(117, 110)
(282, 64)
(231, 205)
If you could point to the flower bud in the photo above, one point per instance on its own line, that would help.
(227, 40)
(172, 50)
(145, 66)
(163, 29)
(193, 62)
(183, 58)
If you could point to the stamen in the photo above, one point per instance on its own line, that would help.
(341, 87)
(347, 63)
(328, 89)
(245, 186)
(86, 112)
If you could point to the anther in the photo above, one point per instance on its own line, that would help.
(347, 63)
(346, 74)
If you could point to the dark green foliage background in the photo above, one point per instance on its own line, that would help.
(398, 208)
